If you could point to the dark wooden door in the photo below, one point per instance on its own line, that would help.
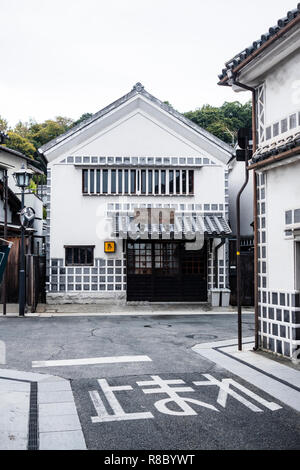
(167, 284)
(194, 275)
(164, 272)
(139, 271)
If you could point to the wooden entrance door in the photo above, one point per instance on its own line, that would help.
(164, 272)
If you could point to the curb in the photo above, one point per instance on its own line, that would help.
(53, 422)
(120, 314)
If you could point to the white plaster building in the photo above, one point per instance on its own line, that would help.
(270, 68)
(142, 175)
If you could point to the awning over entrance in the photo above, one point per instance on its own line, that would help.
(184, 227)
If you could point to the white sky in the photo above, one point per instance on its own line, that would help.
(68, 57)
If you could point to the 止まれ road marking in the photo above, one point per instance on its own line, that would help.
(91, 361)
(172, 388)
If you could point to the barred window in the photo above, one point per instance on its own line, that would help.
(79, 255)
(293, 121)
(104, 181)
(136, 181)
(284, 125)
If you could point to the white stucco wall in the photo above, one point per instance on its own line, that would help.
(78, 219)
(282, 85)
(283, 193)
(138, 128)
(138, 134)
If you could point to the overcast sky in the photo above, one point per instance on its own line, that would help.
(68, 57)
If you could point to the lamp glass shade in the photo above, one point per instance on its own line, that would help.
(22, 177)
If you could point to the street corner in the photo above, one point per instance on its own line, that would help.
(279, 380)
(37, 412)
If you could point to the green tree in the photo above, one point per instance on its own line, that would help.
(82, 118)
(3, 125)
(22, 129)
(220, 130)
(40, 134)
(224, 121)
(19, 143)
(204, 116)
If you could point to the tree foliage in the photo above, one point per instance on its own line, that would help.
(40, 134)
(21, 144)
(223, 122)
(3, 124)
(82, 118)
(27, 137)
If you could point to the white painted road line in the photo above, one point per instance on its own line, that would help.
(281, 371)
(273, 387)
(91, 361)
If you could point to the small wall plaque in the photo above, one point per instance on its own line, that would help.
(109, 247)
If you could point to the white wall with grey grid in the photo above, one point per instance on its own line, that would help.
(279, 310)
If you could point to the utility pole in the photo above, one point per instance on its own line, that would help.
(22, 178)
(5, 201)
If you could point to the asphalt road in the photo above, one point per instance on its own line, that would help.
(232, 427)
(166, 339)
(157, 414)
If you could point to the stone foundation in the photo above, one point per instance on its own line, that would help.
(85, 297)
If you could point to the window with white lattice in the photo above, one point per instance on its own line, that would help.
(148, 182)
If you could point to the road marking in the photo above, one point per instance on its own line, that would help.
(256, 371)
(225, 390)
(171, 388)
(163, 386)
(91, 360)
(118, 413)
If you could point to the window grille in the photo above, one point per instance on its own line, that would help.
(147, 182)
(79, 255)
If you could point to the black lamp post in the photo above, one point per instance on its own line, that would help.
(4, 179)
(22, 179)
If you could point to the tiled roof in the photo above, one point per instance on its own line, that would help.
(277, 147)
(242, 56)
(14, 152)
(185, 226)
(40, 165)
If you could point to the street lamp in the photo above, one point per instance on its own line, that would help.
(22, 179)
(3, 179)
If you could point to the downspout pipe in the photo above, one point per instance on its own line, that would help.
(254, 146)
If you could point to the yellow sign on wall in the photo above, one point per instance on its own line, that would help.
(109, 247)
